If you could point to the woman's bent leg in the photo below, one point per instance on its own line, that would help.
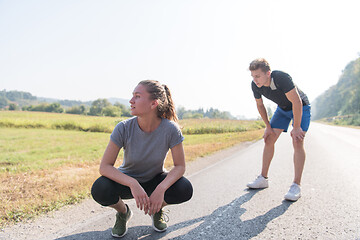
(181, 191)
(108, 192)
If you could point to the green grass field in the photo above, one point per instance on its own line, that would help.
(16, 119)
(19, 119)
(38, 149)
(44, 166)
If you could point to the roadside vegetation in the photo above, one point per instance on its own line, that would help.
(347, 120)
(42, 120)
(48, 160)
(340, 104)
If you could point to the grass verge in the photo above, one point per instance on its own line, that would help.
(61, 121)
(42, 169)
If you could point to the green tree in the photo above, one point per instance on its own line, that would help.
(111, 111)
(44, 107)
(213, 113)
(98, 106)
(12, 107)
(180, 111)
(125, 111)
(77, 110)
(54, 107)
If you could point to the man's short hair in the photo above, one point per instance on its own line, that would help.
(260, 63)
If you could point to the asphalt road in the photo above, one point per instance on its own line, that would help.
(223, 208)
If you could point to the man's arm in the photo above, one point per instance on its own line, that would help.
(295, 99)
(263, 113)
(262, 110)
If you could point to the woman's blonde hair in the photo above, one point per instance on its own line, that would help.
(166, 106)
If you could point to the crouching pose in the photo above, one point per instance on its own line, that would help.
(146, 139)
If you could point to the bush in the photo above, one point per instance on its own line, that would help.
(44, 107)
(111, 111)
(77, 110)
(12, 107)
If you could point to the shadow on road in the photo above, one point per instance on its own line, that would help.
(224, 223)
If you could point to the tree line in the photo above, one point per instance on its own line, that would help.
(102, 107)
(16, 100)
(201, 113)
(99, 107)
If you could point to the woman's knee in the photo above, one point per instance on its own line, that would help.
(181, 191)
(103, 191)
(186, 189)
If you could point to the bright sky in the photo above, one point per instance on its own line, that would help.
(87, 49)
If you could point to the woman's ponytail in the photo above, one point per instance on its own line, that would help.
(166, 106)
(170, 111)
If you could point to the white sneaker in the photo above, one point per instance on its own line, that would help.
(294, 193)
(259, 182)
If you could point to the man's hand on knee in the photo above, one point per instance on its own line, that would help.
(297, 134)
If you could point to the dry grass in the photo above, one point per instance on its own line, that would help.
(25, 195)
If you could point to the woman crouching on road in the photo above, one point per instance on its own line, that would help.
(146, 139)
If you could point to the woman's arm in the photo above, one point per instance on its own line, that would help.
(108, 170)
(157, 197)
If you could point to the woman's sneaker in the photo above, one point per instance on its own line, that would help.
(159, 220)
(120, 228)
(294, 193)
(259, 182)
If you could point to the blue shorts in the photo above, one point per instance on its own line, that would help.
(281, 119)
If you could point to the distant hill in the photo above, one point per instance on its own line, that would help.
(342, 98)
(16, 97)
(71, 103)
(64, 103)
(119, 100)
(22, 99)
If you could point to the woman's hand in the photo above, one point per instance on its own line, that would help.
(156, 201)
(140, 196)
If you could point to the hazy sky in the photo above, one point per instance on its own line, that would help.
(84, 50)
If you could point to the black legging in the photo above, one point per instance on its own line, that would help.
(107, 192)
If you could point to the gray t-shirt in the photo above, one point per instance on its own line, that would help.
(145, 153)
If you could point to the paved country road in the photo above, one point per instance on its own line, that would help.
(222, 207)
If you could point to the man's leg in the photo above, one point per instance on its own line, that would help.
(299, 160)
(299, 151)
(268, 153)
(269, 150)
(294, 192)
